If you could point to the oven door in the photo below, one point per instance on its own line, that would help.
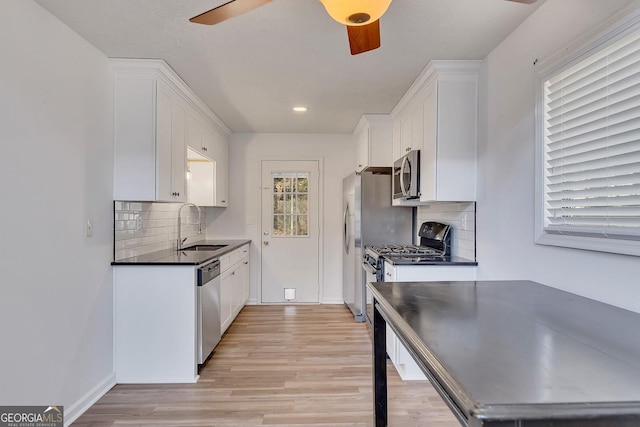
(370, 275)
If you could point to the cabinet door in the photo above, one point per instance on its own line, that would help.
(135, 139)
(208, 141)
(221, 156)
(194, 132)
(163, 144)
(380, 140)
(389, 272)
(405, 133)
(417, 121)
(170, 146)
(362, 149)
(237, 293)
(178, 153)
(226, 297)
(243, 278)
(391, 344)
(456, 136)
(428, 171)
(397, 141)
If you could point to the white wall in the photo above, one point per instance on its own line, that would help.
(245, 153)
(505, 209)
(56, 165)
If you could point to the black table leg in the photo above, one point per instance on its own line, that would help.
(379, 368)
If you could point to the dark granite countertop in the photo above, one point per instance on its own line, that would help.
(427, 260)
(173, 257)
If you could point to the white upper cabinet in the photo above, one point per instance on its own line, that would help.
(211, 145)
(374, 141)
(149, 155)
(220, 155)
(156, 117)
(407, 130)
(439, 116)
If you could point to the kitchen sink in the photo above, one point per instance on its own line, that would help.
(204, 247)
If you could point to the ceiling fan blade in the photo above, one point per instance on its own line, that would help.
(524, 1)
(363, 38)
(227, 10)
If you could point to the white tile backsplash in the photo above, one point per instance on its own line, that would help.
(144, 227)
(463, 241)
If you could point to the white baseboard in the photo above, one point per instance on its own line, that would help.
(328, 301)
(81, 405)
(159, 380)
(332, 301)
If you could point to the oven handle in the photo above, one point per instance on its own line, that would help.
(369, 268)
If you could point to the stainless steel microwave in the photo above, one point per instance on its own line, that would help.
(406, 176)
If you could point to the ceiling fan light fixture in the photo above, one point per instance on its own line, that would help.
(356, 12)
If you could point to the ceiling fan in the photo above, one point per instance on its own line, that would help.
(361, 17)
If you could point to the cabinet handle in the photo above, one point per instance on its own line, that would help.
(246, 262)
(223, 201)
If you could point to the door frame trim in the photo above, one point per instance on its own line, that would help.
(258, 240)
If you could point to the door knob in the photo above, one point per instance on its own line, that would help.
(266, 243)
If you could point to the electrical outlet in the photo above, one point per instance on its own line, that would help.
(464, 222)
(89, 228)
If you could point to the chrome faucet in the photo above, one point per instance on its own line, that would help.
(180, 239)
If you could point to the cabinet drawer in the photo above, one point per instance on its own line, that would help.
(236, 256)
(225, 262)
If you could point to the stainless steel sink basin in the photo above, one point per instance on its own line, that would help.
(204, 247)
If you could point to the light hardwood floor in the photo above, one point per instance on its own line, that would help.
(278, 366)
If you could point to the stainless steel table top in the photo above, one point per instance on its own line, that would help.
(507, 348)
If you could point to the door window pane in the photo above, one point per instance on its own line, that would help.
(290, 204)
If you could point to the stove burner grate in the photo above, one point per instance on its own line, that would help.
(404, 250)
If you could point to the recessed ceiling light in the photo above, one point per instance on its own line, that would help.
(299, 109)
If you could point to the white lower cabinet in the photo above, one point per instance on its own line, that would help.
(234, 284)
(226, 291)
(155, 324)
(400, 357)
(403, 362)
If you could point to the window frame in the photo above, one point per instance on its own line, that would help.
(612, 30)
(291, 215)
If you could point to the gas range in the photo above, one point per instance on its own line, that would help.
(435, 246)
(403, 250)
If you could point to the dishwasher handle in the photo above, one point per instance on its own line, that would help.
(208, 272)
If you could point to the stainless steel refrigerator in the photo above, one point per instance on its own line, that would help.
(369, 219)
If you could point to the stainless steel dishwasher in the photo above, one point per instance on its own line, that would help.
(208, 313)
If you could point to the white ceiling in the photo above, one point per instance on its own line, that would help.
(251, 70)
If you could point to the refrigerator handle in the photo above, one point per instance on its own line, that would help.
(346, 230)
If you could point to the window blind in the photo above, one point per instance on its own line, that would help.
(592, 145)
